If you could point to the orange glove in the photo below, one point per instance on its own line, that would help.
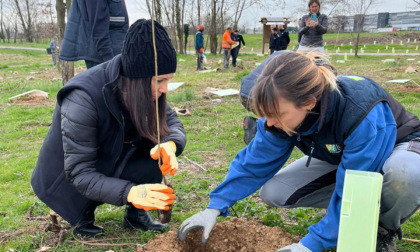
(151, 196)
(201, 51)
(167, 154)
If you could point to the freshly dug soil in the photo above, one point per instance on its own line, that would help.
(31, 100)
(232, 235)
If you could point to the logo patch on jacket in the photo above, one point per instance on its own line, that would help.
(354, 77)
(333, 148)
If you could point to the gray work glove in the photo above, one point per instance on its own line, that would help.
(205, 219)
(295, 247)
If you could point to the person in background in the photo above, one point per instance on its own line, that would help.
(199, 46)
(235, 51)
(102, 144)
(312, 30)
(284, 38)
(274, 41)
(299, 34)
(95, 31)
(301, 103)
(227, 44)
(54, 46)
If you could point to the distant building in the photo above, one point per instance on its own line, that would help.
(381, 22)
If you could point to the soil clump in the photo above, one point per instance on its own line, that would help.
(232, 235)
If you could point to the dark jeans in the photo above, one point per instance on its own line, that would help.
(140, 169)
(234, 54)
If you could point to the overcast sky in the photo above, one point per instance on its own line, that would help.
(251, 17)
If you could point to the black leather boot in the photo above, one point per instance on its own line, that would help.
(139, 219)
(86, 227)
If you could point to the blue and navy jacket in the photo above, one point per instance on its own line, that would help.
(95, 30)
(199, 41)
(357, 129)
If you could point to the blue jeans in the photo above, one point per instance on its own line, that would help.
(400, 196)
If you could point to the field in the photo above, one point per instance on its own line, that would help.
(214, 136)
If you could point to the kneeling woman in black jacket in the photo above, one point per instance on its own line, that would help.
(102, 144)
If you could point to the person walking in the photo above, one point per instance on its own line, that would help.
(95, 31)
(227, 44)
(54, 46)
(312, 27)
(102, 146)
(199, 46)
(301, 103)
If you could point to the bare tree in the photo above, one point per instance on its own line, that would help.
(360, 8)
(198, 11)
(178, 26)
(2, 34)
(67, 71)
(26, 11)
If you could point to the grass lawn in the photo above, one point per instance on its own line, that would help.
(214, 133)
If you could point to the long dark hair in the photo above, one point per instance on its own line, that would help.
(137, 98)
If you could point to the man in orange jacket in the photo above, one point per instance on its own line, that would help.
(227, 46)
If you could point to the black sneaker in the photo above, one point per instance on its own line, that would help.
(386, 239)
(250, 128)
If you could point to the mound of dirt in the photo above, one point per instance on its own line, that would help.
(232, 235)
(31, 100)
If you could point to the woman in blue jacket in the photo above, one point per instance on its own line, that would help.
(339, 123)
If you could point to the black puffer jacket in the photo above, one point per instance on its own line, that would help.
(312, 36)
(82, 156)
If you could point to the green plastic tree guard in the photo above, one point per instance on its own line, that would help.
(359, 214)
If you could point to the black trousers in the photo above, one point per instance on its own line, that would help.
(140, 169)
(234, 52)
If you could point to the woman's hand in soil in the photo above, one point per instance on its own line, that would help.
(151, 196)
(295, 247)
(167, 154)
(205, 219)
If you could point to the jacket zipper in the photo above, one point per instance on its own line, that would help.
(310, 154)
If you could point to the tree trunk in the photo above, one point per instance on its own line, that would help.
(158, 12)
(1, 20)
(213, 29)
(178, 26)
(198, 11)
(67, 70)
(29, 37)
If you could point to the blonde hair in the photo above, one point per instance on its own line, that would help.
(297, 77)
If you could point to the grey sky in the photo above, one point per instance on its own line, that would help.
(253, 15)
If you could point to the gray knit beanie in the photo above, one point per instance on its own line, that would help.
(138, 60)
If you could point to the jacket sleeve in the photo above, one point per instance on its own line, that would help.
(176, 130)
(366, 149)
(98, 14)
(322, 26)
(302, 25)
(251, 168)
(242, 40)
(79, 126)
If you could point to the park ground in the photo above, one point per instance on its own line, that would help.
(214, 133)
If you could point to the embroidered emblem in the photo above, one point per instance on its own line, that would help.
(333, 148)
(356, 78)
